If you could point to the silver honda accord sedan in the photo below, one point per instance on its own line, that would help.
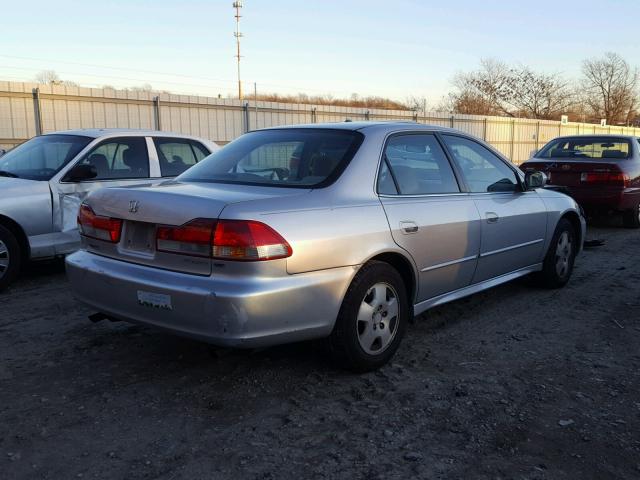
(343, 231)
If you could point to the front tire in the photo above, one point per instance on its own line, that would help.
(631, 218)
(372, 319)
(10, 257)
(559, 260)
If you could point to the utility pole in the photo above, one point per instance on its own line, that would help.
(238, 5)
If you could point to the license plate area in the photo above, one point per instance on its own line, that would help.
(154, 300)
(139, 237)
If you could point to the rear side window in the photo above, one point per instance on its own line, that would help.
(119, 159)
(177, 155)
(288, 157)
(586, 148)
(483, 170)
(416, 165)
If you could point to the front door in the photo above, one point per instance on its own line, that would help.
(429, 216)
(514, 221)
(118, 162)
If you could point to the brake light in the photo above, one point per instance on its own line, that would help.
(99, 227)
(243, 240)
(615, 178)
(248, 240)
(193, 238)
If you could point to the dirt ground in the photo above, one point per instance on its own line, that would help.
(516, 382)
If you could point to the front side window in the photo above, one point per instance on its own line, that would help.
(586, 148)
(483, 170)
(119, 158)
(291, 157)
(416, 165)
(41, 157)
(177, 155)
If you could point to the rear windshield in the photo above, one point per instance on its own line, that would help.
(292, 157)
(41, 157)
(586, 148)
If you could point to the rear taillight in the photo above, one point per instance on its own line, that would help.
(99, 227)
(605, 178)
(248, 240)
(243, 240)
(193, 238)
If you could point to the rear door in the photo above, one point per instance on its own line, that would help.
(175, 155)
(121, 161)
(513, 221)
(429, 216)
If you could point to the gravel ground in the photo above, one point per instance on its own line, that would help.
(515, 382)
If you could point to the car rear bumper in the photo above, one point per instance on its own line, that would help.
(228, 311)
(603, 197)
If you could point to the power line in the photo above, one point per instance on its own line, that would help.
(109, 67)
(298, 88)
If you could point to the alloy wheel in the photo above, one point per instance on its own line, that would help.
(564, 250)
(377, 321)
(4, 259)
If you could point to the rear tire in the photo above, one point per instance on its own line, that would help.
(631, 218)
(10, 257)
(559, 260)
(372, 319)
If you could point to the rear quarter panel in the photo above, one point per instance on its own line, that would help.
(323, 233)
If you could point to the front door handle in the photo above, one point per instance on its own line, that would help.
(409, 227)
(492, 217)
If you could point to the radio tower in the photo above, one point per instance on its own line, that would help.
(238, 5)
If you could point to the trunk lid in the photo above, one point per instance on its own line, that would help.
(574, 173)
(143, 209)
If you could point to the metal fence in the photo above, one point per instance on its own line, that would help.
(28, 109)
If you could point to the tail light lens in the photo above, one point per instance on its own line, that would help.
(193, 238)
(248, 240)
(607, 178)
(99, 227)
(243, 240)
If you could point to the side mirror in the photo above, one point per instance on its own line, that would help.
(535, 179)
(81, 172)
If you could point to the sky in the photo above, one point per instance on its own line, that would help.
(393, 48)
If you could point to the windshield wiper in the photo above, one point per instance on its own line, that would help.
(4, 173)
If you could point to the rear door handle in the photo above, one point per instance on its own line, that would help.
(492, 217)
(409, 227)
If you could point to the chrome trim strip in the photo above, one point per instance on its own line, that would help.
(447, 264)
(474, 288)
(512, 247)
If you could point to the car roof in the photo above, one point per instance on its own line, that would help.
(598, 135)
(124, 132)
(382, 125)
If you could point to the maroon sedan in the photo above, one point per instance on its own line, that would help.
(601, 172)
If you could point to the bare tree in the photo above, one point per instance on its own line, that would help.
(611, 87)
(483, 89)
(498, 89)
(417, 104)
(537, 95)
(48, 77)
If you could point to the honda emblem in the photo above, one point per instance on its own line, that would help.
(133, 206)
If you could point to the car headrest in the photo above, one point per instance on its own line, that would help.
(613, 154)
(417, 148)
(132, 158)
(99, 161)
(559, 152)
